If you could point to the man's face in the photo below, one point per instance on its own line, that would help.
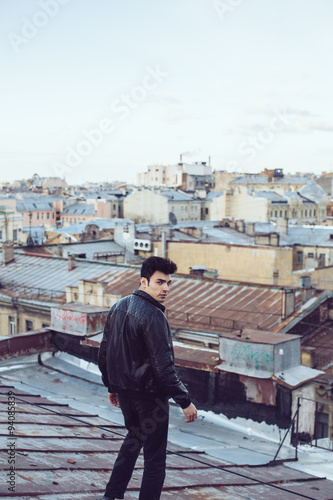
(158, 286)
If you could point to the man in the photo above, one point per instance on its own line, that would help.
(137, 364)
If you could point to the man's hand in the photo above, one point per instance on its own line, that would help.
(190, 413)
(113, 397)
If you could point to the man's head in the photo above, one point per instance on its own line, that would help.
(156, 277)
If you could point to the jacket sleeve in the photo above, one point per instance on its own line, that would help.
(158, 342)
(102, 363)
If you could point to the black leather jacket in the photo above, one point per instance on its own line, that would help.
(136, 354)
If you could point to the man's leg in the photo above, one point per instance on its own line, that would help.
(128, 453)
(154, 421)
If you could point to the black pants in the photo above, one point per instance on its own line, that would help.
(147, 424)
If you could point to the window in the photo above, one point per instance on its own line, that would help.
(42, 215)
(280, 213)
(310, 213)
(300, 257)
(47, 215)
(52, 215)
(11, 321)
(114, 206)
(29, 325)
(306, 213)
(37, 215)
(275, 213)
(321, 425)
(45, 325)
(314, 213)
(14, 234)
(311, 255)
(206, 211)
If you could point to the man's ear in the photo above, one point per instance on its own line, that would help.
(143, 282)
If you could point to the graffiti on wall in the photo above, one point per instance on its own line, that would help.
(64, 319)
(255, 358)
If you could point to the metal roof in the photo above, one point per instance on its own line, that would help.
(214, 194)
(89, 248)
(80, 209)
(33, 205)
(302, 198)
(177, 195)
(300, 235)
(271, 195)
(262, 179)
(80, 227)
(228, 236)
(313, 191)
(320, 338)
(198, 303)
(67, 437)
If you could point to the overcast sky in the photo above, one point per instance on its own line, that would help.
(97, 90)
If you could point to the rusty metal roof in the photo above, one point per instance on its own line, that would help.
(204, 304)
(62, 453)
(321, 339)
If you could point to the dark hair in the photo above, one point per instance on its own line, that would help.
(153, 264)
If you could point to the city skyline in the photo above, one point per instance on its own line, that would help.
(97, 92)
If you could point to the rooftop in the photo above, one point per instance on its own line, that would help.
(195, 303)
(79, 209)
(262, 179)
(67, 437)
(80, 227)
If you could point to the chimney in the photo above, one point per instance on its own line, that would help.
(305, 283)
(250, 229)
(58, 250)
(7, 254)
(288, 302)
(309, 356)
(240, 226)
(282, 226)
(71, 262)
(164, 244)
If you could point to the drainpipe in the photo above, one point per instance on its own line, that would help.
(164, 244)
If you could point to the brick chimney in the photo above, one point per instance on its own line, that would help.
(71, 262)
(7, 254)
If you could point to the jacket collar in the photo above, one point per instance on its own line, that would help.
(146, 296)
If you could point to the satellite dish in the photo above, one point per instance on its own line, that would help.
(172, 218)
